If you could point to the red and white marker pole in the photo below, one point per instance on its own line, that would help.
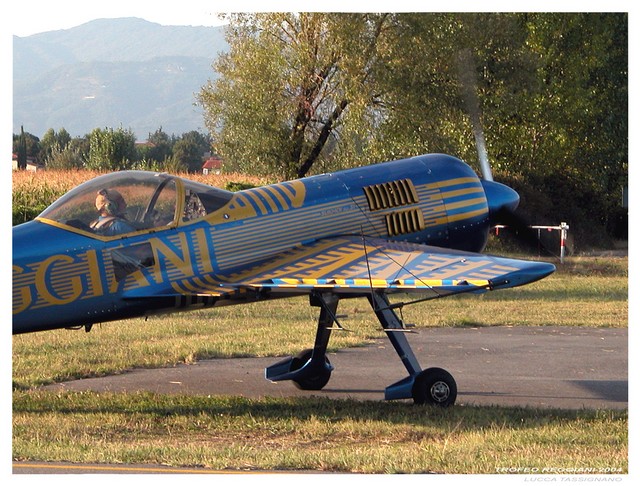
(564, 228)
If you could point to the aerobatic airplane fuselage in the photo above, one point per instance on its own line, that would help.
(347, 234)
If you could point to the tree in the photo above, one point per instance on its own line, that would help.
(69, 156)
(548, 92)
(583, 93)
(425, 106)
(159, 148)
(53, 142)
(25, 145)
(300, 88)
(290, 84)
(22, 150)
(111, 149)
(189, 150)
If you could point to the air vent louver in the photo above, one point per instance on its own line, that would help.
(391, 194)
(402, 222)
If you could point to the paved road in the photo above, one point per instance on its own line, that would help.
(558, 367)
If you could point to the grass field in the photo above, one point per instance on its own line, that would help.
(314, 434)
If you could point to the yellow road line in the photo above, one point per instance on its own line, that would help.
(137, 469)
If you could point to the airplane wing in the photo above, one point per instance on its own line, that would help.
(353, 265)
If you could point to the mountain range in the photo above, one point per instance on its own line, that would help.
(124, 72)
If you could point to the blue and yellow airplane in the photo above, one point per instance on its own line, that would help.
(134, 243)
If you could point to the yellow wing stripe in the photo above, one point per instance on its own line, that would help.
(375, 283)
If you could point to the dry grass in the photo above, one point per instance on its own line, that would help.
(314, 434)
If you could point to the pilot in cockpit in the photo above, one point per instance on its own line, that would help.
(111, 220)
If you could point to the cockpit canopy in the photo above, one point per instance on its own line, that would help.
(151, 201)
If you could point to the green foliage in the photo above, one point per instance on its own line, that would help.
(22, 213)
(287, 85)
(27, 203)
(188, 151)
(25, 145)
(65, 157)
(22, 150)
(238, 186)
(53, 141)
(548, 90)
(110, 149)
(162, 145)
(576, 121)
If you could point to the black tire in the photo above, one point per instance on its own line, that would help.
(434, 386)
(311, 382)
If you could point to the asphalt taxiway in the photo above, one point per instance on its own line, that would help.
(554, 367)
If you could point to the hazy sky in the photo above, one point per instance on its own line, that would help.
(34, 16)
(28, 17)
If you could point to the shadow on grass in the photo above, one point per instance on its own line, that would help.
(316, 408)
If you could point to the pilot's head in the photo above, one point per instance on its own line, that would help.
(110, 202)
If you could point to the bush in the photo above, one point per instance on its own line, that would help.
(550, 200)
(238, 186)
(22, 214)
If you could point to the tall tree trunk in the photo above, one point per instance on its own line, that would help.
(322, 139)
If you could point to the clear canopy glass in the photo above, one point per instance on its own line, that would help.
(151, 200)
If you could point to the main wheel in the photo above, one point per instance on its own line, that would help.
(315, 381)
(434, 386)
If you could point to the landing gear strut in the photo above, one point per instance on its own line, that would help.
(311, 369)
(433, 386)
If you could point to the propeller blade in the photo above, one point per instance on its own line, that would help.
(467, 78)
